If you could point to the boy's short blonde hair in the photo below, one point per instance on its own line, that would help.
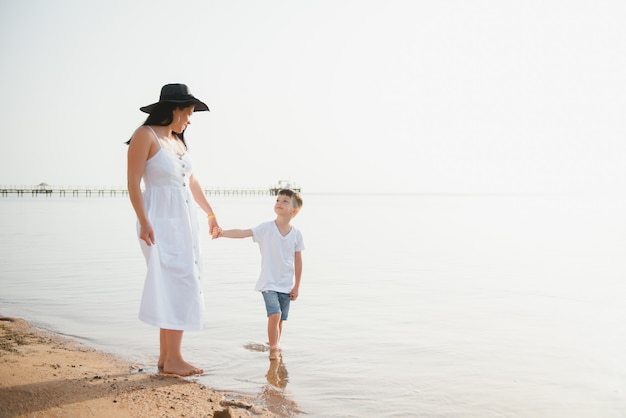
(295, 197)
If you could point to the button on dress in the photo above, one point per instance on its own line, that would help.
(172, 295)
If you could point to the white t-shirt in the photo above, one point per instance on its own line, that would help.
(277, 256)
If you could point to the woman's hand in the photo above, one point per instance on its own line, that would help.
(216, 232)
(146, 233)
(214, 228)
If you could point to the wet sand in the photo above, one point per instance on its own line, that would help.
(43, 374)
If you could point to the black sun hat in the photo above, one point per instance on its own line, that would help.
(176, 93)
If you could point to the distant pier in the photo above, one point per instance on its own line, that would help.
(73, 191)
(101, 191)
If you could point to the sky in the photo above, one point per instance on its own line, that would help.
(340, 96)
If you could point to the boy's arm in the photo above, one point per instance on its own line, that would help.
(297, 264)
(235, 233)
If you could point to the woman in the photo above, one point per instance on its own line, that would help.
(167, 223)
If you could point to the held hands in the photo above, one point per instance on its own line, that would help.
(214, 228)
(215, 232)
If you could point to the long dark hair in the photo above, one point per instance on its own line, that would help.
(163, 114)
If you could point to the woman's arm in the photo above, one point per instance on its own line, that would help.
(138, 154)
(201, 200)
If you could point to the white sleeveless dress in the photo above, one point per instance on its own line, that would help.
(172, 294)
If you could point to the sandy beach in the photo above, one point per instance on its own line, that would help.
(43, 374)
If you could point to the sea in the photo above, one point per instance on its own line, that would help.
(411, 305)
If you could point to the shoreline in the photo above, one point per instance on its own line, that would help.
(45, 374)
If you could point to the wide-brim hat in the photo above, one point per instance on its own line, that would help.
(176, 93)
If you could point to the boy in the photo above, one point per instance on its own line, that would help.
(281, 248)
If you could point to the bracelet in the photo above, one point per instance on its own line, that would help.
(211, 216)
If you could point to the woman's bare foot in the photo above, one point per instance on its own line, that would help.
(180, 368)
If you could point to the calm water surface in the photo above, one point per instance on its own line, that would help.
(426, 306)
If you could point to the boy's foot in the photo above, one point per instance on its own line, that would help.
(274, 353)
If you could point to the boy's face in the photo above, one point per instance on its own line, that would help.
(284, 206)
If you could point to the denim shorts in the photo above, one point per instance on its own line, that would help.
(276, 302)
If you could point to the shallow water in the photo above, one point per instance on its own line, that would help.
(437, 306)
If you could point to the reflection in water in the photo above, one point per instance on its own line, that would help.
(277, 375)
(259, 348)
(274, 392)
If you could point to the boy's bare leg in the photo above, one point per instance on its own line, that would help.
(173, 362)
(274, 327)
